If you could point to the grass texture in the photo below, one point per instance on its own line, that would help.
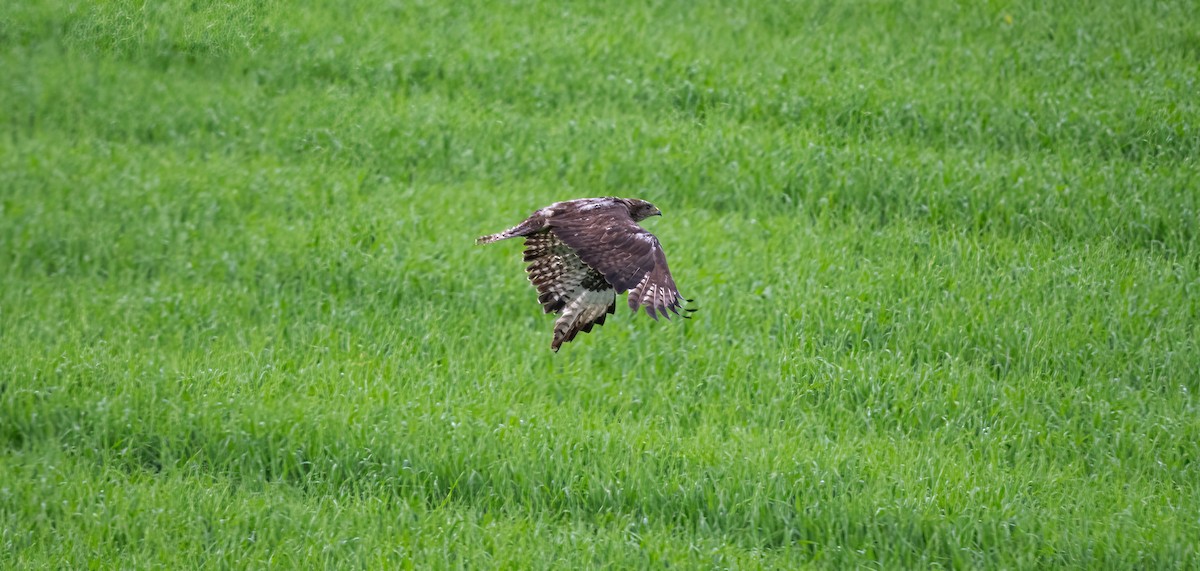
(946, 255)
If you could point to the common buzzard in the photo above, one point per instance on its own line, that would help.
(583, 252)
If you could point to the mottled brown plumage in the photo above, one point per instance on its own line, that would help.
(583, 252)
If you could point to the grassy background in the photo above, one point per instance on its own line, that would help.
(946, 255)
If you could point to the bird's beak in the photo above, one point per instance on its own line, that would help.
(657, 212)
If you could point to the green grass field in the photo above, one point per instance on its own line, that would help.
(946, 255)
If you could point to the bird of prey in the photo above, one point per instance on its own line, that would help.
(583, 252)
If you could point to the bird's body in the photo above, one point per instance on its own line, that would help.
(583, 252)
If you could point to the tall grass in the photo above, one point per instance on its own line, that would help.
(945, 254)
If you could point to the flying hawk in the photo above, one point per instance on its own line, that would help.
(583, 252)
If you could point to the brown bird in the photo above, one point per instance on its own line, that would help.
(583, 252)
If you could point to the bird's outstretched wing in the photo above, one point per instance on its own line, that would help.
(606, 238)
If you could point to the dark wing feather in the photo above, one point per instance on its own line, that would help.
(606, 238)
(567, 286)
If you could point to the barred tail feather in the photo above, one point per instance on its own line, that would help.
(583, 313)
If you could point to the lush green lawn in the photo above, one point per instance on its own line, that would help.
(947, 256)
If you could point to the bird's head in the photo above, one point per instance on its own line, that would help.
(641, 210)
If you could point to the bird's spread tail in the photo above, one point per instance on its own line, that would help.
(586, 310)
